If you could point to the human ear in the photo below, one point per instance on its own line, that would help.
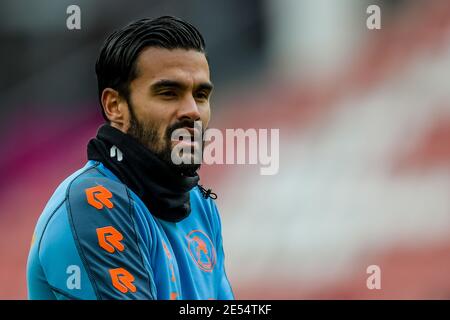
(116, 109)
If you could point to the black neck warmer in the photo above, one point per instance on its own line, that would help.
(164, 191)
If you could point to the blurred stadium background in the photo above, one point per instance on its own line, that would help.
(364, 118)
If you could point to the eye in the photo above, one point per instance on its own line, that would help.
(201, 95)
(169, 94)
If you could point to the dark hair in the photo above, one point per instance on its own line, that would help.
(116, 63)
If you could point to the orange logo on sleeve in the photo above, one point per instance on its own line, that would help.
(109, 239)
(122, 280)
(98, 197)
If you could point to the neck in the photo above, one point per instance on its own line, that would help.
(163, 190)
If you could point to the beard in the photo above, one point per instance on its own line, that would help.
(147, 135)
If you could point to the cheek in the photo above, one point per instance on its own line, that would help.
(205, 116)
(155, 117)
(162, 132)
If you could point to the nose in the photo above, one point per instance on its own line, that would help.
(189, 109)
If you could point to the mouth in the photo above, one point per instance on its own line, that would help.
(193, 131)
(190, 137)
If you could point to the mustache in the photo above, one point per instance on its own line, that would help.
(186, 123)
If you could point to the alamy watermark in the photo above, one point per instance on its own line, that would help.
(235, 146)
(73, 21)
(374, 280)
(373, 21)
(74, 277)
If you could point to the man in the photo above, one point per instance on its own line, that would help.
(132, 224)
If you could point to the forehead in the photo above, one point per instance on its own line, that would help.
(177, 64)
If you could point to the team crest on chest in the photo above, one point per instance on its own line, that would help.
(201, 250)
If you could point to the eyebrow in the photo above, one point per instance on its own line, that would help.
(172, 84)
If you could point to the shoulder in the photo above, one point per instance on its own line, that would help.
(92, 191)
(208, 207)
(95, 201)
(205, 202)
(86, 199)
(94, 228)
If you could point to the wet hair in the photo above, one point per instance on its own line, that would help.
(116, 64)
